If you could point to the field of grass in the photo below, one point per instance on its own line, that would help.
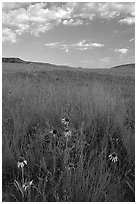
(91, 158)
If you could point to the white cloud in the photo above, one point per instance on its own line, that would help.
(77, 22)
(8, 36)
(68, 22)
(105, 59)
(122, 51)
(127, 20)
(72, 22)
(55, 44)
(36, 18)
(132, 39)
(14, 5)
(105, 10)
(97, 45)
(81, 45)
(67, 50)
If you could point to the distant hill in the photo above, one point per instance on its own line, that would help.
(126, 70)
(13, 60)
(124, 67)
(18, 60)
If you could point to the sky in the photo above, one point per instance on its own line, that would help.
(88, 34)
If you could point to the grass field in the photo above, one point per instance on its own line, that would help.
(91, 158)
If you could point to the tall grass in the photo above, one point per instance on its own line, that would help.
(101, 122)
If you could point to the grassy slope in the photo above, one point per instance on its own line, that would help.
(102, 100)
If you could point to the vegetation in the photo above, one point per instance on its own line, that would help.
(88, 156)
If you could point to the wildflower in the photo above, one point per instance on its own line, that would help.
(21, 162)
(27, 185)
(67, 133)
(65, 121)
(54, 133)
(113, 157)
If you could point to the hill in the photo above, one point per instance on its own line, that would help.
(124, 67)
(126, 70)
(18, 60)
(17, 64)
(13, 60)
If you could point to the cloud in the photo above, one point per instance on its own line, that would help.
(127, 20)
(8, 36)
(132, 39)
(8, 6)
(81, 45)
(122, 51)
(36, 18)
(66, 50)
(84, 45)
(72, 22)
(52, 45)
(105, 59)
(32, 18)
(104, 10)
(97, 45)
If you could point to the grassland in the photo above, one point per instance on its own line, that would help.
(100, 107)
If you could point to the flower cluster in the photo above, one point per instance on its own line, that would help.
(25, 184)
(113, 157)
(67, 132)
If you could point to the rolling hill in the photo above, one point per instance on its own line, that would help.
(13, 60)
(126, 70)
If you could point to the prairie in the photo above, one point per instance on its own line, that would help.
(91, 158)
